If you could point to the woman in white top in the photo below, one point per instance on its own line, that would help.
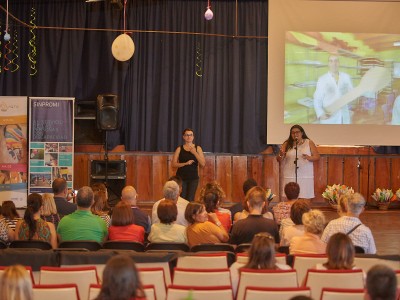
(261, 256)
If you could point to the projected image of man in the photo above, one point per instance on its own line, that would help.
(330, 87)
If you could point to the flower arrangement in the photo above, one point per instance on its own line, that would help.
(270, 195)
(398, 194)
(383, 195)
(333, 192)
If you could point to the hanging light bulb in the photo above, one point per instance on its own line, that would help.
(209, 14)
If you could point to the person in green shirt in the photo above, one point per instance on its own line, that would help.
(82, 224)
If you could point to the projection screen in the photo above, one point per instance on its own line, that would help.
(334, 68)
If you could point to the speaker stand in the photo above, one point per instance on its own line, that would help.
(106, 169)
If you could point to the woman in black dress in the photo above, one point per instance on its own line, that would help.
(187, 158)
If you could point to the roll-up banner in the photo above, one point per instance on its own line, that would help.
(51, 142)
(13, 149)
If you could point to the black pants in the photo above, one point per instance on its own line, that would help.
(189, 188)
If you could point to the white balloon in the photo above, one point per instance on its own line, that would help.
(209, 14)
(123, 47)
(7, 37)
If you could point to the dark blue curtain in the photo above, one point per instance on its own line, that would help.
(209, 80)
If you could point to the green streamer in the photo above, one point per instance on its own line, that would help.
(32, 44)
(199, 60)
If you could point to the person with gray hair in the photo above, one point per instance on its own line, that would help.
(310, 242)
(129, 195)
(381, 283)
(349, 223)
(171, 191)
(82, 224)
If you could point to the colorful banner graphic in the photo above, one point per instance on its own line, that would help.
(51, 147)
(13, 149)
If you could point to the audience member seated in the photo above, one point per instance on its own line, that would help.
(211, 201)
(6, 233)
(243, 214)
(282, 209)
(100, 206)
(167, 230)
(244, 230)
(82, 224)
(310, 242)
(15, 284)
(351, 225)
(340, 252)
(142, 219)
(238, 207)
(61, 198)
(48, 211)
(297, 229)
(32, 227)
(381, 283)
(10, 214)
(261, 256)
(200, 230)
(121, 280)
(123, 225)
(171, 191)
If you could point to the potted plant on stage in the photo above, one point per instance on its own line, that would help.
(383, 197)
(332, 193)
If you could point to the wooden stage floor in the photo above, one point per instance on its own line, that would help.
(385, 227)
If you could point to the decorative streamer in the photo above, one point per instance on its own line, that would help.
(32, 43)
(6, 55)
(14, 50)
(199, 60)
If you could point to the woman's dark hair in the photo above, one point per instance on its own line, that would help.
(192, 209)
(262, 252)
(210, 201)
(290, 140)
(167, 211)
(120, 280)
(187, 129)
(8, 210)
(122, 214)
(292, 190)
(298, 209)
(34, 203)
(340, 252)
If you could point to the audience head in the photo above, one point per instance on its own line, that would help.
(171, 190)
(15, 284)
(122, 214)
(262, 252)
(314, 221)
(8, 210)
(292, 190)
(167, 211)
(212, 186)
(340, 252)
(100, 202)
(342, 205)
(34, 203)
(381, 283)
(100, 189)
(256, 198)
(195, 213)
(355, 204)
(60, 187)
(211, 201)
(48, 205)
(129, 194)
(298, 209)
(121, 280)
(248, 184)
(84, 198)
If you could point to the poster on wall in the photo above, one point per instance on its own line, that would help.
(51, 137)
(13, 149)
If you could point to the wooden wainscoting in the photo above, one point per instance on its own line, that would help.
(358, 167)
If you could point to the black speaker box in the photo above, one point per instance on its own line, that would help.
(107, 112)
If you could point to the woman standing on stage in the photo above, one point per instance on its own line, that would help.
(307, 153)
(187, 158)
